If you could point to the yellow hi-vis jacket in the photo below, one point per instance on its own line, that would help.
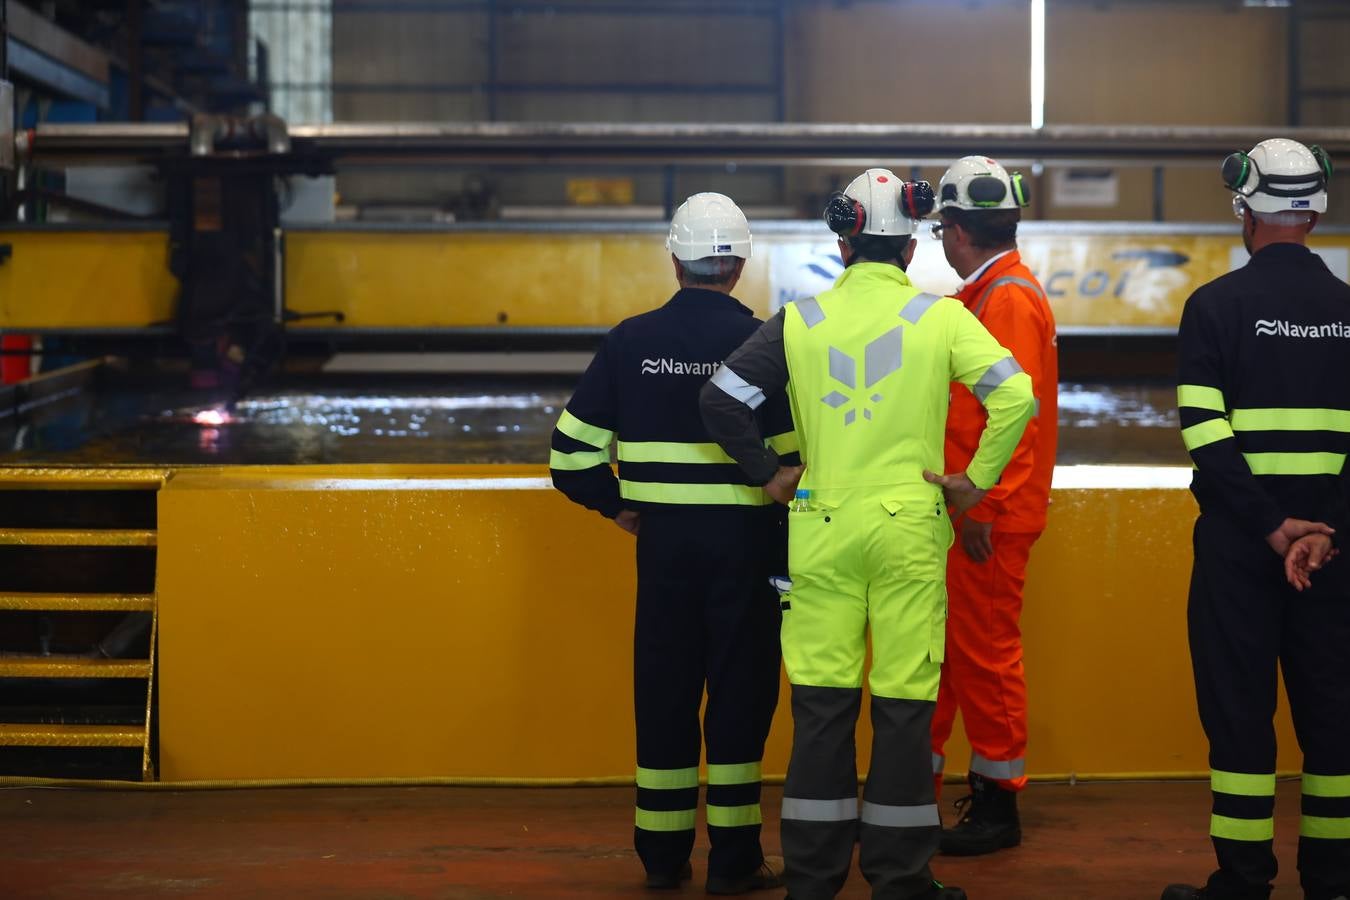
(870, 364)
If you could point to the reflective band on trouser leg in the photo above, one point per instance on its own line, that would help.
(820, 796)
(1242, 784)
(845, 809)
(737, 773)
(1325, 827)
(1326, 807)
(1206, 433)
(1232, 829)
(1199, 396)
(733, 816)
(999, 770)
(728, 784)
(667, 787)
(900, 824)
(669, 820)
(923, 816)
(667, 779)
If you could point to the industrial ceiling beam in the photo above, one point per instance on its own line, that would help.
(777, 143)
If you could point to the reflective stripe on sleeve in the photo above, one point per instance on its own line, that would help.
(671, 452)
(1242, 784)
(787, 442)
(1001, 770)
(1206, 433)
(667, 779)
(1198, 396)
(696, 494)
(578, 430)
(1242, 829)
(734, 773)
(810, 311)
(1007, 279)
(734, 816)
(844, 809)
(939, 763)
(1276, 419)
(738, 388)
(995, 375)
(1295, 463)
(658, 820)
(917, 306)
(575, 462)
(925, 816)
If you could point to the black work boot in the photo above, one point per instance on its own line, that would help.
(1223, 890)
(669, 881)
(988, 820)
(1182, 892)
(940, 891)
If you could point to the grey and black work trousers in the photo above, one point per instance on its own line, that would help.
(706, 617)
(896, 828)
(1245, 621)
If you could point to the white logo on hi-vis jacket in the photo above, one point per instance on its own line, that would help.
(1285, 328)
(667, 366)
(881, 357)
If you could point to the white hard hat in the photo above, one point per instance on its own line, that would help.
(1279, 175)
(879, 202)
(708, 224)
(978, 182)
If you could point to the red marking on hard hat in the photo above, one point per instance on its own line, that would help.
(990, 161)
(882, 179)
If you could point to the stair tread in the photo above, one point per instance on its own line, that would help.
(42, 734)
(79, 602)
(77, 537)
(19, 666)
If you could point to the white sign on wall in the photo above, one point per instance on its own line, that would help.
(1084, 187)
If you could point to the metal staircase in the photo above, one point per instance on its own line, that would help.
(78, 622)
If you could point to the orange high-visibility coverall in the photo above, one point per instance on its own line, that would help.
(982, 675)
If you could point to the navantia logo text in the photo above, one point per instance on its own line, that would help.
(1285, 328)
(667, 366)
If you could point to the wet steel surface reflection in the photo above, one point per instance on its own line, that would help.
(435, 419)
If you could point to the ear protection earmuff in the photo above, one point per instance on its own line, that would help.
(988, 192)
(916, 199)
(1238, 167)
(844, 215)
(1323, 160)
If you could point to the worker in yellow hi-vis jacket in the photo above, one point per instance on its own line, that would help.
(867, 366)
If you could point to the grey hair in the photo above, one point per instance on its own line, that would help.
(1284, 218)
(709, 269)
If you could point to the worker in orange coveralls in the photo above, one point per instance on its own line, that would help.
(980, 205)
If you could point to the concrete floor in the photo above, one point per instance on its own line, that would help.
(1113, 841)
